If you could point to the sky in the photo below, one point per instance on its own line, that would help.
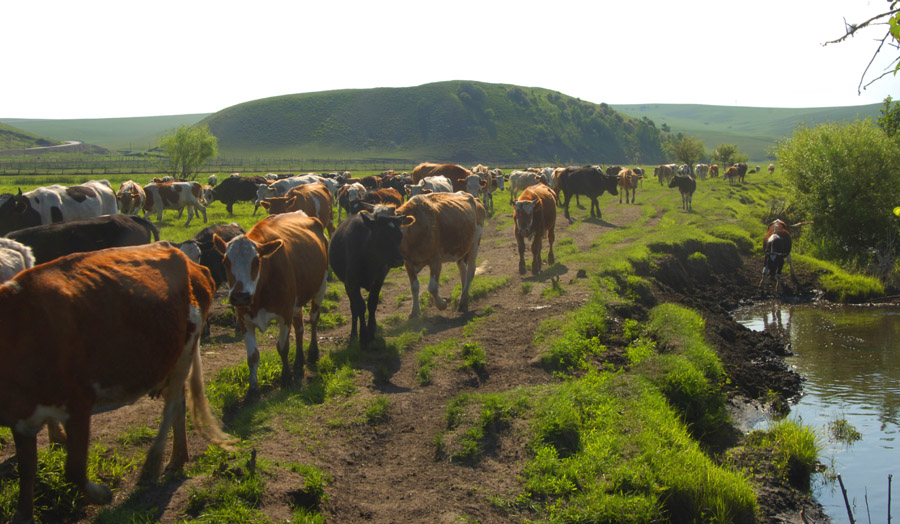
(107, 59)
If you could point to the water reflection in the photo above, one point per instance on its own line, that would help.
(848, 358)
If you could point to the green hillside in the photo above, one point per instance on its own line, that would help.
(15, 138)
(754, 129)
(133, 133)
(456, 121)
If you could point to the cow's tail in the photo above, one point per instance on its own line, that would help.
(204, 421)
(147, 225)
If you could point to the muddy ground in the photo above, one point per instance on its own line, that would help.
(389, 472)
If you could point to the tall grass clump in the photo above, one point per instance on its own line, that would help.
(796, 450)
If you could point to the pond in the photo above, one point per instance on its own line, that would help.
(848, 357)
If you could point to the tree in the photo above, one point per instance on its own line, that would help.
(687, 150)
(186, 149)
(726, 155)
(891, 38)
(846, 179)
(889, 121)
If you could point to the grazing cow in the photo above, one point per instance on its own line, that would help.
(714, 171)
(777, 249)
(60, 374)
(731, 174)
(349, 194)
(754, 170)
(237, 189)
(51, 204)
(173, 195)
(628, 181)
(701, 170)
(446, 227)
(519, 180)
(363, 250)
(686, 186)
(588, 181)
(534, 214)
(430, 184)
(14, 258)
(771, 169)
(53, 241)
(456, 174)
(312, 199)
(664, 173)
(274, 270)
(130, 197)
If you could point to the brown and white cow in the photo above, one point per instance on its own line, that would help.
(456, 174)
(312, 199)
(60, 374)
(446, 228)
(777, 249)
(535, 215)
(279, 266)
(665, 172)
(347, 195)
(130, 197)
(714, 171)
(628, 182)
(173, 195)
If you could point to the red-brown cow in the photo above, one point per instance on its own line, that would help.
(312, 199)
(130, 197)
(628, 182)
(456, 174)
(535, 214)
(273, 271)
(446, 228)
(777, 249)
(173, 195)
(84, 360)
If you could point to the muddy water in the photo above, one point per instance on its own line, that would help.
(849, 358)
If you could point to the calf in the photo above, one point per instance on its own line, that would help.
(174, 195)
(627, 181)
(777, 249)
(446, 227)
(130, 197)
(363, 250)
(88, 234)
(63, 356)
(312, 199)
(588, 181)
(686, 186)
(534, 214)
(279, 266)
(15, 257)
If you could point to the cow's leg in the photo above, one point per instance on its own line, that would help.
(373, 307)
(791, 267)
(566, 197)
(203, 211)
(230, 208)
(190, 215)
(26, 456)
(634, 195)
(315, 310)
(252, 360)
(357, 310)
(179, 438)
(413, 273)
(434, 284)
(551, 237)
(620, 201)
(536, 252)
(764, 275)
(56, 433)
(78, 429)
(467, 274)
(520, 242)
(283, 345)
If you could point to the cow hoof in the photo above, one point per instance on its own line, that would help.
(521, 269)
(251, 396)
(441, 305)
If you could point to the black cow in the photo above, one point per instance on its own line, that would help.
(398, 182)
(51, 241)
(588, 181)
(362, 251)
(742, 170)
(686, 186)
(237, 189)
(209, 256)
(777, 248)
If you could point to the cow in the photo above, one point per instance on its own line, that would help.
(398, 183)
(51, 204)
(742, 170)
(628, 181)
(371, 182)
(446, 227)
(60, 374)
(312, 199)
(534, 214)
(363, 250)
(664, 173)
(754, 170)
(209, 257)
(387, 196)
(430, 184)
(456, 174)
(639, 171)
(771, 169)
(347, 195)
(130, 197)
(613, 170)
(276, 268)
(588, 181)
(686, 186)
(714, 171)
(53, 241)
(519, 180)
(701, 170)
(475, 185)
(731, 174)
(237, 189)
(777, 249)
(173, 195)
(280, 187)
(15, 257)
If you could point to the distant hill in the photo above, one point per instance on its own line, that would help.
(133, 133)
(15, 138)
(753, 129)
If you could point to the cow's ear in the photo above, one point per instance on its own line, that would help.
(265, 204)
(408, 221)
(219, 244)
(268, 248)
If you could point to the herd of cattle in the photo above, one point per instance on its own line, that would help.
(58, 272)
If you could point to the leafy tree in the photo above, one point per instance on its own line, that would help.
(727, 154)
(889, 120)
(846, 179)
(686, 150)
(890, 39)
(186, 149)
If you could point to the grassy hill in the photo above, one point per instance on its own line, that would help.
(457, 121)
(754, 129)
(15, 138)
(134, 133)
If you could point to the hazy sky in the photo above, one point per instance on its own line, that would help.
(101, 59)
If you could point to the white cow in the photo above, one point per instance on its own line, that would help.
(519, 180)
(14, 257)
(430, 184)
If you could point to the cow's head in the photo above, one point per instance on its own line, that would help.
(387, 233)
(16, 213)
(277, 205)
(242, 259)
(523, 215)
